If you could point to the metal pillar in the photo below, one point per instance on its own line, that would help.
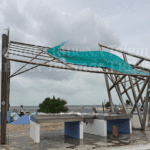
(109, 94)
(8, 86)
(119, 95)
(4, 88)
(126, 92)
(146, 105)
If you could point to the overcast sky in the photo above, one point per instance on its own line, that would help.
(122, 24)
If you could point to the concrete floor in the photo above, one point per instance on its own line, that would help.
(55, 140)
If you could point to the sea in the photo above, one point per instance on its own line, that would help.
(75, 108)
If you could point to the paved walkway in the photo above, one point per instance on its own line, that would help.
(137, 147)
(54, 140)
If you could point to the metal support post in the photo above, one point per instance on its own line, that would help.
(4, 89)
(146, 105)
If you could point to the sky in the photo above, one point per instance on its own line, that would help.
(119, 24)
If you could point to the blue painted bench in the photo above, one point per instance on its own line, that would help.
(73, 125)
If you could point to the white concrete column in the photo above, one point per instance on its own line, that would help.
(35, 131)
(98, 127)
(130, 125)
(81, 129)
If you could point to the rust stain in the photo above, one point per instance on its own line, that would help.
(115, 131)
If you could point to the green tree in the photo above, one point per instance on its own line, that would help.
(107, 104)
(128, 102)
(53, 105)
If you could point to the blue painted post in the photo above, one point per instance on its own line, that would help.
(74, 130)
(122, 124)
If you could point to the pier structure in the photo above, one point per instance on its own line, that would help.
(37, 53)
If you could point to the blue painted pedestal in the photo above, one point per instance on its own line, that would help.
(122, 124)
(73, 130)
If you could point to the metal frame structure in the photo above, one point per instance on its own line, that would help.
(38, 53)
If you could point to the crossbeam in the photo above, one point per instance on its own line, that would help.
(119, 93)
(30, 69)
(75, 69)
(134, 93)
(130, 87)
(124, 52)
(138, 87)
(117, 82)
(126, 92)
(24, 46)
(140, 93)
(140, 61)
(25, 64)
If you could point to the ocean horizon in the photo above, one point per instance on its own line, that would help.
(75, 108)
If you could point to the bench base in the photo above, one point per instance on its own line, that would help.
(71, 130)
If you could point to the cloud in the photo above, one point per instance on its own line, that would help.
(42, 23)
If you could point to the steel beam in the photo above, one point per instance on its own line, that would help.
(25, 64)
(119, 94)
(8, 87)
(146, 104)
(130, 87)
(124, 52)
(109, 94)
(4, 88)
(135, 99)
(29, 69)
(74, 69)
(134, 93)
(141, 91)
(140, 61)
(126, 93)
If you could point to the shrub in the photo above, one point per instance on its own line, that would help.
(53, 105)
(128, 102)
(107, 104)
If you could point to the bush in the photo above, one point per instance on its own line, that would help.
(53, 105)
(128, 102)
(107, 104)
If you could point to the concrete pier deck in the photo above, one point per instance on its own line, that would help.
(54, 140)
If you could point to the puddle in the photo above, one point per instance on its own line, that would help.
(55, 139)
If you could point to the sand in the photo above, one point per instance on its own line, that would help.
(44, 127)
(101, 109)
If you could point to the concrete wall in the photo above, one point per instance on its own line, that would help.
(136, 122)
(35, 131)
(98, 127)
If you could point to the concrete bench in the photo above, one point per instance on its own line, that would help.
(104, 127)
(102, 124)
(73, 126)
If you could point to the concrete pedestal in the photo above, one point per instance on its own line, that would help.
(35, 131)
(104, 127)
(98, 127)
(73, 130)
(124, 126)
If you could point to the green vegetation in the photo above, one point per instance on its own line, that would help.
(107, 104)
(128, 102)
(53, 105)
